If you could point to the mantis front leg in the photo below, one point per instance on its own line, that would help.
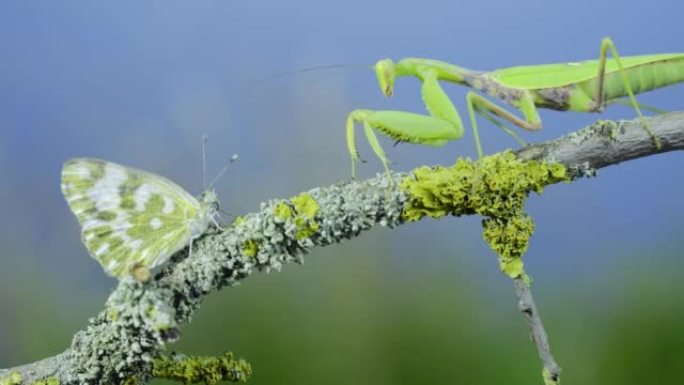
(442, 125)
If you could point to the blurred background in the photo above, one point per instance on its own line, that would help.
(139, 83)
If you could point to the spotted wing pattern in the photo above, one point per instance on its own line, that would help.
(131, 218)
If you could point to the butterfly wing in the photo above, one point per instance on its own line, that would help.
(129, 217)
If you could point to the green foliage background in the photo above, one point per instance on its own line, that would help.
(353, 315)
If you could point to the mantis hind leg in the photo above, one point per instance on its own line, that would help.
(642, 106)
(488, 110)
(599, 96)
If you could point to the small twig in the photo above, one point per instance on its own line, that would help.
(584, 151)
(529, 309)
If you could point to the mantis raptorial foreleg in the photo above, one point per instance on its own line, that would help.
(399, 122)
(442, 125)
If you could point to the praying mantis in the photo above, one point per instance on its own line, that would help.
(585, 86)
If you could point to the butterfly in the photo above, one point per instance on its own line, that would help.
(132, 219)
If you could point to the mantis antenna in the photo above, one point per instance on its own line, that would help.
(250, 88)
(310, 69)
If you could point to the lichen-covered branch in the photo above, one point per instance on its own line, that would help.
(607, 142)
(140, 319)
(184, 369)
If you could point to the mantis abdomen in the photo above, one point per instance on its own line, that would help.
(641, 78)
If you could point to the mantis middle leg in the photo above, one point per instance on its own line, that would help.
(479, 104)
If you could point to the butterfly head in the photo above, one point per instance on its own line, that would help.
(208, 211)
(210, 201)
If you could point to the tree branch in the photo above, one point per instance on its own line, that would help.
(606, 143)
(121, 342)
(602, 144)
(526, 305)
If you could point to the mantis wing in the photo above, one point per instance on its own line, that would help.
(563, 74)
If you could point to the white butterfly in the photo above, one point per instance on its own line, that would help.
(130, 218)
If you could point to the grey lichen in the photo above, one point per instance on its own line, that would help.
(607, 129)
(282, 232)
(583, 170)
(122, 341)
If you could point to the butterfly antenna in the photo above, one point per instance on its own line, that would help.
(204, 161)
(223, 171)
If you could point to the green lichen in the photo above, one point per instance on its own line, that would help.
(132, 381)
(250, 248)
(48, 381)
(238, 221)
(201, 369)
(306, 205)
(14, 378)
(302, 209)
(306, 208)
(509, 238)
(549, 379)
(283, 211)
(494, 187)
(112, 314)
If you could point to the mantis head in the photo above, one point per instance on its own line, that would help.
(384, 70)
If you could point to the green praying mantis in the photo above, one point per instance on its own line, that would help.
(585, 86)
